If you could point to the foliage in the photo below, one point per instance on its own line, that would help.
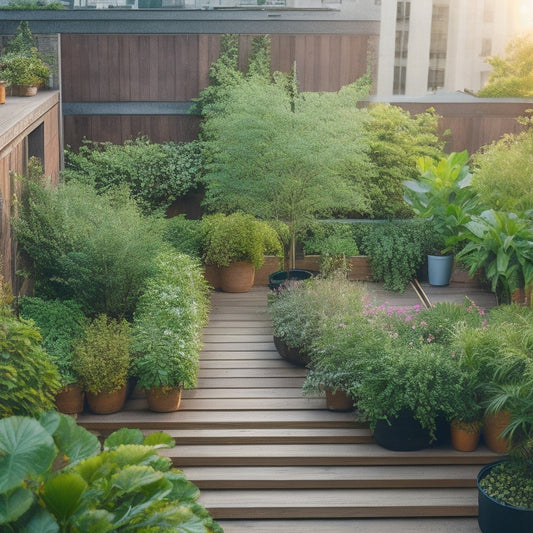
(397, 140)
(60, 480)
(500, 243)
(425, 380)
(27, 69)
(95, 249)
(102, 357)
(397, 250)
(512, 75)
(184, 235)
(61, 324)
(443, 194)
(22, 5)
(237, 237)
(156, 174)
(23, 42)
(267, 156)
(511, 483)
(300, 310)
(503, 173)
(28, 378)
(168, 322)
(334, 248)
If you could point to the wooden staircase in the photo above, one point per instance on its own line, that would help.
(269, 460)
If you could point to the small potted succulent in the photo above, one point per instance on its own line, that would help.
(166, 331)
(102, 360)
(237, 245)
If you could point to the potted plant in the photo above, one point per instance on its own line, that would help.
(102, 360)
(166, 330)
(237, 244)
(25, 73)
(405, 394)
(443, 194)
(61, 324)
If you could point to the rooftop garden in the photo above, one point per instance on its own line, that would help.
(120, 298)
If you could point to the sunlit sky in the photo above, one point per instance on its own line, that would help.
(526, 14)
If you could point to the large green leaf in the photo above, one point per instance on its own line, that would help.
(130, 454)
(74, 441)
(95, 521)
(14, 504)
(25, 448)
(41, 521)
(63, 493)
(160, 440)
(50, 421)
(136, 477)
(182, 489)
(124, 436)
(90, 467)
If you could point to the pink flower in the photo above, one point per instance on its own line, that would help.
(413, 326)
(395, 335)
(410, 344)
(341, 325)
(423, 323)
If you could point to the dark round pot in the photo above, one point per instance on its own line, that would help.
(495, 517)
(293, 355)
(404, 433)
(277, 279)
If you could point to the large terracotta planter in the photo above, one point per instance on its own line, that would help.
(164, 399)
(24, 90)
(105, 403)
(465, 435)
(338, 401)
(69, 400)
(495, 423)
(237, 277)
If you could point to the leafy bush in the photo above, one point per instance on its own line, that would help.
(168, 322)
(511, 483)
(28, 378)
(156, 174)
(397, 140)
(184, 235)
(102, 357)
(503, 173)
(59, 480)
(237, 237)
(61, 325)
(95, 249)
(397, 250)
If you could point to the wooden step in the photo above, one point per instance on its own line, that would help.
(284, 372)
(361, 525)
(333, 477)
(236, 346)
(272, 436)
(265, 328)
(218, 419)
(319, 454)
(260, 383)
(216, 325)
(239, 355)
(286, 392)
(340, 503)
(229, 364)
(236, 336)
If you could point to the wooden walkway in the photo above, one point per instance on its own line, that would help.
(269, 460)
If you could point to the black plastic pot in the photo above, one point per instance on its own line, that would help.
(495, 517)
(404, 433)
(277, 279)
(293, 355)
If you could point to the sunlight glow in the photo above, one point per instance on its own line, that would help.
(526, 14)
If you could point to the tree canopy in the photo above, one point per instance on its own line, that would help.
(512, 76)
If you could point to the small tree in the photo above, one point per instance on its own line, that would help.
(513, 74)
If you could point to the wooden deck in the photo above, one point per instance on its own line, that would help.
(269, 460)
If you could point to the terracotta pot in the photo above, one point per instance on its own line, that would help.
(465, 435)
(338, 401)
(164, 399)
(237, 277)
(105, 403)
(24, 90)
(69, 400)
(495, 423)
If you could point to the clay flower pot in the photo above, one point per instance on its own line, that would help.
(69, 400)
(338, 401)
(495, 423)
(237, 277)
(164, 399)
(465, 435)
(105, 403)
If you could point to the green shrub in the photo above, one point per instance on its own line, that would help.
(102, 357)
(237, 237)
(61, 325)
(397, 250)
(57, 479)
(184, 235)
(28, 378)
(156, 174)
(168, 323)
(95, 249)
(503, 173)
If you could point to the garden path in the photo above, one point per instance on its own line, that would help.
(269, 460)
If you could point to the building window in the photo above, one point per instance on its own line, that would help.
(438, 47)
(486, 47)
(403, 14)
